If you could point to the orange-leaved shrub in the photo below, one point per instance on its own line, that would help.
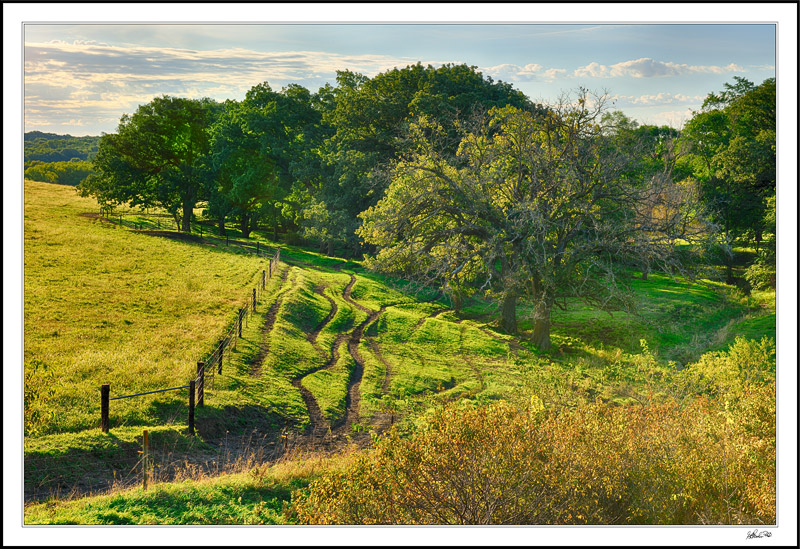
(679, 462)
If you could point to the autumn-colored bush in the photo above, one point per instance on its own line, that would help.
(680, 462)
(726, 374)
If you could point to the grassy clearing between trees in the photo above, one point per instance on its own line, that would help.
(107, 305)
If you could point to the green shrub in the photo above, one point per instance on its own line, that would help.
(760, 275)
(62, 173)
(726, 374)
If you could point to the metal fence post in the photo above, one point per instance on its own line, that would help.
(263, 279)
(241, 314)
(105, 390)
(191, 407)
(254, 300)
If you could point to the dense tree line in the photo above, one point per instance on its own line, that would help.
(447, 176)
(51, 147)
(731, 146)
(63, 173)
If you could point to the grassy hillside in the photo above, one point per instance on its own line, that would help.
(331, 353)
(105, 305)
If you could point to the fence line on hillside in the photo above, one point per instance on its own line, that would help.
(162, 462)
(165, 222)
(211, 365)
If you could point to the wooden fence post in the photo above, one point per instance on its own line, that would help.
(221, 353)
(263, 279)
(145, 456)
(241, 314)
(191, 407)
(201, 371)
(254, 300)
(105, 390)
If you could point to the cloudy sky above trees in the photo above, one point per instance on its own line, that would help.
(80, 78)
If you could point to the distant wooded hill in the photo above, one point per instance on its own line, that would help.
(51, 147)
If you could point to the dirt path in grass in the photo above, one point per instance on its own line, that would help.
(434, 314)
(313, 335)
(353, 399)
(388, 375)
(269, 323)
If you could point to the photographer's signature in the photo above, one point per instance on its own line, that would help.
(753, 534)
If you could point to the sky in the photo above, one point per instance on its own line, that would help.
(80, 78)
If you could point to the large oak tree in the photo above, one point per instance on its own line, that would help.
(370, 118)
(534, 206)
(158, 157)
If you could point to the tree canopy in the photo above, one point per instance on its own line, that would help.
(260, 146)
(532, 205)
(370, 118)
(732, 145)
(158, 157)
(451, 177)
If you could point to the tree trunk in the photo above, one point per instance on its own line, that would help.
(330, 248)
(728, 254)
(759, 237)
(458, 301)
(244, 225)
(541, 326)
(509, 313)
(186, 220)
(222, 225)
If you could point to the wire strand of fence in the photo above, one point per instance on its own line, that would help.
(164, 464)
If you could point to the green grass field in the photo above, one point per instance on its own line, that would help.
(330, 346)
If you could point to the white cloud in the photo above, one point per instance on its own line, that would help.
(675, 118)
(648, 68)
(661, 98)
(523, 73)
(94, 80)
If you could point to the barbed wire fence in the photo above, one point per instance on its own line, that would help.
(54, 478)
(165, 224)
(211, 365)
(160, 463)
